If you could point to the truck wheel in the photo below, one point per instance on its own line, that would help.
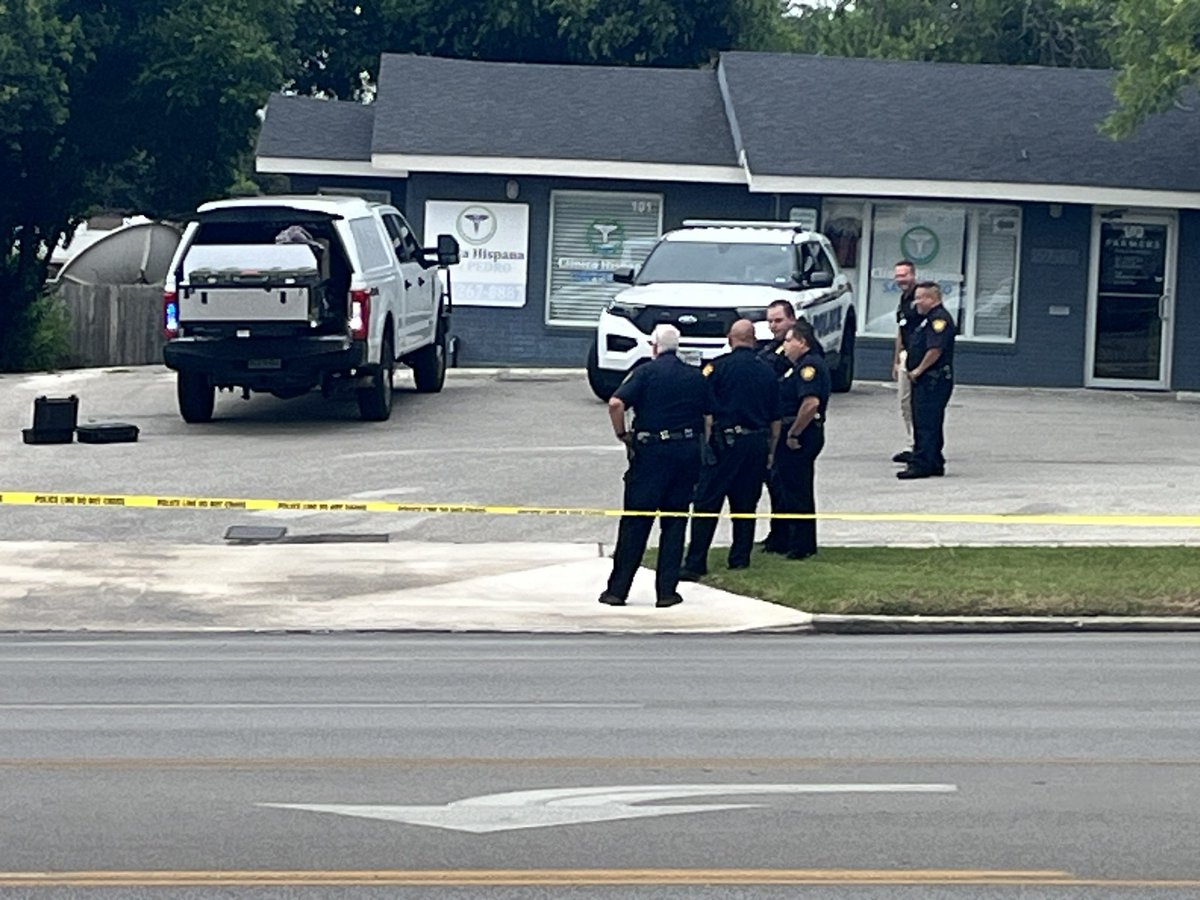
(429, 364)
(602, 382)
(375, 402)
(196, 397)
(843, 375)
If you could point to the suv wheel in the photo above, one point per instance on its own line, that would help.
(843, 375)
(196, 397)
(602, 382)
(375, 402)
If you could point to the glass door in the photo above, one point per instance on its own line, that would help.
(1133, 269)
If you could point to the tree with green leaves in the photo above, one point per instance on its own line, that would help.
(1158, 48)
(1011, 32)
(339, 43)
(143, 105)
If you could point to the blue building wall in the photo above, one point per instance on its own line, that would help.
(1185, 361)
(1051, 308)
(491, 336)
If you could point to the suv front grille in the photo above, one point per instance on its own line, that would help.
(698, 322)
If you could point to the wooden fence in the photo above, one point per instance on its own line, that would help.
(113, 325)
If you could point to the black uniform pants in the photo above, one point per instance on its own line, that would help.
(661, 475)
(741, 464)
(930, 396)
(794, 477)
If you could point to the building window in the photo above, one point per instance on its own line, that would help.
(971, 250)
(592, 233)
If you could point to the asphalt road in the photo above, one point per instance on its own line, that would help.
(952, 767)
(540, 438)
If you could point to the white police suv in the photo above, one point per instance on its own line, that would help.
(704, 276)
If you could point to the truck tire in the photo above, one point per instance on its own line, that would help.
(375, 402)
(843, 375)
(429, 364)
(196, 397)
(602, 382)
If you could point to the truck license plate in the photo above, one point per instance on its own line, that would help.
(265, 364)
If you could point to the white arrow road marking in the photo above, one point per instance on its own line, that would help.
(575, 806)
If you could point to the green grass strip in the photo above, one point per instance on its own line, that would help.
(972, 581)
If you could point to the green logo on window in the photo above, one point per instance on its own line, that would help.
(920, 244)
(605, 237)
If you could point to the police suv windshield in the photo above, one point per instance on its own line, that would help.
(716, 263)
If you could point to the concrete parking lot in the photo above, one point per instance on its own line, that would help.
(539, 438)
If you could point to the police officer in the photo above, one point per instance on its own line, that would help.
(931, 370)
(670, 400)
(804, 396)
(743, 429)
(781, 316)
(904, 274)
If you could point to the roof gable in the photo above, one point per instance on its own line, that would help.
(517, 110)
(312, 128)
(901, 120)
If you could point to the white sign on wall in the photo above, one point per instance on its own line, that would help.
(494, 243)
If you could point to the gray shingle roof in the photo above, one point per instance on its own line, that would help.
(863, 118)
(310, 128)
(471, 108)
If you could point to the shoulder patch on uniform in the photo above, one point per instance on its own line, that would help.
(707, 370)
(939, 325)
(808, 373)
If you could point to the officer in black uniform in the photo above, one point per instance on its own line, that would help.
(743, 429)
(907, 319)
(931, 368)
(781, 316)
(804, 396)
(670, 400)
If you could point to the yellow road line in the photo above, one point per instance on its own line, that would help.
(250, 504)
(531, 877)
(568, 762)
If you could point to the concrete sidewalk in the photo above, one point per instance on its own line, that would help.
(530, 588)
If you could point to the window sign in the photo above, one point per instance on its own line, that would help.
(933, 238)
(804, 216)
(971, 250)
(494, 249)
(593, 233)
(1132, 258)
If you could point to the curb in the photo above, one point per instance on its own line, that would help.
(831, 624)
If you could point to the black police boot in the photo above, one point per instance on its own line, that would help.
(611, 599)
(904, 456)
(668, 600)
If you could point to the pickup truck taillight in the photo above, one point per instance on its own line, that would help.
(170, 315)
(360, 314)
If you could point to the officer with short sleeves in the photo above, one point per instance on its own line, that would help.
(804, 395)
(931, 370)
(744, 427)
(669, 399)
(781, 316)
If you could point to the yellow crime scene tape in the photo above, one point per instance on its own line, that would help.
(251, 504)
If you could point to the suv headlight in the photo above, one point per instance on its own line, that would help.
(753, 313)
(626, 310)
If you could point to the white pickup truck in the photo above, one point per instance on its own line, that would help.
(284, 294)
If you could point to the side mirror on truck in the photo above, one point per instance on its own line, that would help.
(447, 250)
